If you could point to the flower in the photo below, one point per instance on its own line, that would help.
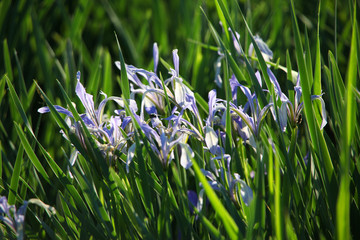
(163, 139)
(254, 120)
(106, 132)
(12, 218)
(263, 47)
(293, 111)
(233, 182)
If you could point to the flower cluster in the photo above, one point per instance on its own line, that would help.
(168, 117)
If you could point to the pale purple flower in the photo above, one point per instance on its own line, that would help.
(106, 131)
(218, 184)
(293, 111)
(263, 47)
(163, 139)
(254, 120)
(12, 218)
(215, 105)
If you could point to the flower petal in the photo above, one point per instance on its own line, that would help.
(186, 155)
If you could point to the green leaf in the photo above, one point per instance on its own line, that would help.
(229, 223)
(7, 60)
(30, 152)
(124, 82)
(15, 176)
(344, 198)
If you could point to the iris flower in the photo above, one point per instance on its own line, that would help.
(106, 132)
(234, 181)
(290, 110)
(253, 120)
(163, 139)
(12, 218)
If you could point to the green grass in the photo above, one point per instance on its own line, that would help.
(306, 180)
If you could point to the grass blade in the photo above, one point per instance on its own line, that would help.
(30, 152)
(15, 176)
(343, 203)
(229, 223)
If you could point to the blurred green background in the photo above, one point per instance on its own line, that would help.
(52, 39)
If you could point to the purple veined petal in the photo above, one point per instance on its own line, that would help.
(131, 74)
(181, 91)
(323, 110)
(245, 191)
(211, 139)
(263, 47)
(20, 220)
(258, 77)
(132, 105)
(150, 107)
(236, 40)
(176, 61)
(212, 101)
(100, 110)
(4, 206)
(190, 98)
(87, 101)
(298, 91)
(208, 174)
(116, 134)
(242, 128)
(278, 91)
(125, 122)
(235, 83)
(88, 122)
(164, 145)
(8, 221)
(186, 155)
(59, 109)
(147, 104)
(155, 56)
(148, 131)
(249, 121)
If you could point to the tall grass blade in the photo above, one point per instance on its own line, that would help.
(30, 152)
(343, 203)
(229, 223)
(14, 183)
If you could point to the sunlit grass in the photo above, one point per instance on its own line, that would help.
(304, 181)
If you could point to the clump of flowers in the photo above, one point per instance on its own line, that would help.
(164, 118)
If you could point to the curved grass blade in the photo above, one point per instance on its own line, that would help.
(229, 223)
(30, 152)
